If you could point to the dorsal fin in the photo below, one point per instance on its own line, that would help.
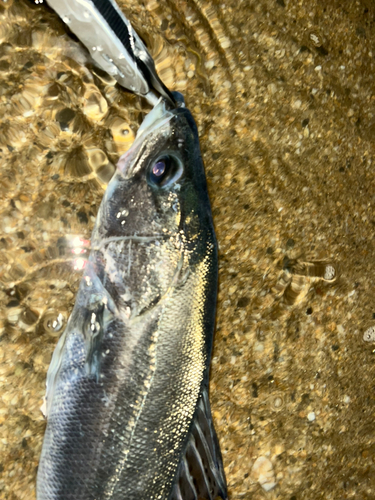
(200, 474)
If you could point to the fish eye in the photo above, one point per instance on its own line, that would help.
(164, 171)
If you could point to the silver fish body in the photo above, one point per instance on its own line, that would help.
(128, 412)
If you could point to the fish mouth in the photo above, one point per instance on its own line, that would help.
(158, 117)
(161, 112)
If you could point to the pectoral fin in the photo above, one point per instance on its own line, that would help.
(52, 373)
(200, 474)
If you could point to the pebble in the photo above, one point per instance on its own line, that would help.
(272, 89)
(225, 43)
(278, 402)
(263, 473)
(258, 347)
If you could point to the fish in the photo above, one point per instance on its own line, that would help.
(128, 412)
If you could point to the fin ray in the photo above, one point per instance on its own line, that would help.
(200, 474)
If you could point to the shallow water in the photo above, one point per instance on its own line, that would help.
(283, 93)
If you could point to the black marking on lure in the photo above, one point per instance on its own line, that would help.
(113, 18)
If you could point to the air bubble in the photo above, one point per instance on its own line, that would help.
(94, 325)
(369, 335)
(316, 39)
(29, 317)
(277, 403)
(122, 213)
(53, 323)
(329, 272)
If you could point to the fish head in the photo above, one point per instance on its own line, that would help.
(159, 188)
(154, 224)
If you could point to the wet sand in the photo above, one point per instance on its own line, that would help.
(283, 93)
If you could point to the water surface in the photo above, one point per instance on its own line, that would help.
(283, 93)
